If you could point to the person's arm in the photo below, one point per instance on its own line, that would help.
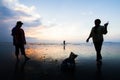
(12, 32)
(91, 33)
(23, 37)
(88, 39)
(105, 28)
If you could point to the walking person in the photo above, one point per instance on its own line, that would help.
(19, 39)
(97, 37)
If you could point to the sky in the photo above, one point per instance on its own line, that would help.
(58, 20)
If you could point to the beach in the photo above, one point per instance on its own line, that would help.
(45, 62)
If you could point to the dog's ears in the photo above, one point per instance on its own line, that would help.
(73, 54)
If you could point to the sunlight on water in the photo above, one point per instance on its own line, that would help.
(57, 52)
(41, 52)
(85, 51)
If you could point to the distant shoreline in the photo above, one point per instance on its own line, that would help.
(39, 43)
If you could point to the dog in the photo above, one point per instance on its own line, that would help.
(69, 63)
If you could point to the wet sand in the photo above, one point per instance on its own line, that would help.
(46, 59)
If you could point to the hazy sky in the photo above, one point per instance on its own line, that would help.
(58, 20)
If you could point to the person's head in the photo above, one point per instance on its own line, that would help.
(97, 22)
(19, 24)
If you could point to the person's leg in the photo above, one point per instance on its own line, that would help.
(22, 48)
(99, 49)
(96, 49)
(16, 51)
(98, 46)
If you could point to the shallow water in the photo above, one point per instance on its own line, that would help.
(46, 59)
(83, 50)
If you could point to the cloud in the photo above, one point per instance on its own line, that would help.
(21, 12)
(12, 11)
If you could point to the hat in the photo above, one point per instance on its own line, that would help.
(19, 22)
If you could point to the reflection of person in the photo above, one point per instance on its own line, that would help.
(19, 73)
(99, 71)
(97, 36)
(19, 39)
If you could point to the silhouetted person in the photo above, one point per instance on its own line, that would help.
(64, 44)
(97, 37)
(19, 39)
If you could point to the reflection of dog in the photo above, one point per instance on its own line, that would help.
(69, 63)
